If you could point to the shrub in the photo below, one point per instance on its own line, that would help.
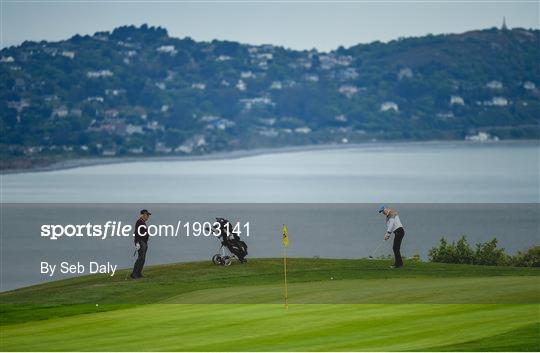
(529, 258)
(456, 253)
(485, 254)
(440, 254)
(488, 254)
(463, 252)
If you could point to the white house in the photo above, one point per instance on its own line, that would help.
(276, 85)
(344, 60)
(265, 56)
(197, 141)
(497, 101)
(268, 132)
(167, 49)
(241, 86)
(60, 112)
(154, 126)
(327, 61)
(136, 150)
(115, 92)
(348, 90)
(209, 118)
(134, 129)
(302, 130)
(529, 85)
(457, 100)
(481, 137)
(494, 85)
(268, 121)
(389, 106)
(99, 73)
(223, 124)
(68, 54)
(311, 77)
(405, 73)
(445, 115)
(18, 105)
(250, 102)
(247, 74)
(198, 85)
(95, 99)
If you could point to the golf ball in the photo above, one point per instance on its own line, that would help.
(331, 277)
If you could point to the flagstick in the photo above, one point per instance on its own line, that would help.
(285, 272)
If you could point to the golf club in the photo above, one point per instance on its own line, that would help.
(374, 251)
(127, 273)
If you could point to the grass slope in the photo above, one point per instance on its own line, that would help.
(200, 307)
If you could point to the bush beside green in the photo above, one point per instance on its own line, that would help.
(487, 253)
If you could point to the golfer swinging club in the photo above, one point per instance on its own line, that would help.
(141, 243)
(393, 225)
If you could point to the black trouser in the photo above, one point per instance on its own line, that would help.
(398, 237)
(139, 264)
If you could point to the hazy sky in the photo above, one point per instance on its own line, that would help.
(295, 24)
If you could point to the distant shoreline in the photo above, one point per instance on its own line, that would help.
(96, 161)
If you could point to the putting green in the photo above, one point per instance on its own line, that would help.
(201, 307)
(263, 327)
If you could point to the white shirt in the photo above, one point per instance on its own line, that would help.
(393, 223)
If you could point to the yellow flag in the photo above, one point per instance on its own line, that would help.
(285, 239)
(285, 243)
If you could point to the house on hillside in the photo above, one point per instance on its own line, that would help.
(494, 85)
(386, 106)
(497, 101)
(198, 85)
(456, 100)
(68, 54)
(528, 85)
(348, 90)
(405, 73)
(99, 74)
(167, 49)
(241, 85)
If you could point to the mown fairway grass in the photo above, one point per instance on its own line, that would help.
(201, 307)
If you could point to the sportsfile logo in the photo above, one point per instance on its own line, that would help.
(119, 229)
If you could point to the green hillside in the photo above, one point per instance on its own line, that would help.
(138, 91)
(335, 305)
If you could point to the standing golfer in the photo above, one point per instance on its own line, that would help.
(141, 243)
(393, 225)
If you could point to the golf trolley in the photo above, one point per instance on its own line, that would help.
(231, 245)
(223, 257)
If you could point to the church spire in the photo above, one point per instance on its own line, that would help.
(504, 28)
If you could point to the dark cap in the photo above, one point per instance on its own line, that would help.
(145, 212)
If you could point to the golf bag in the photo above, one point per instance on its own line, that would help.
(231, 245)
